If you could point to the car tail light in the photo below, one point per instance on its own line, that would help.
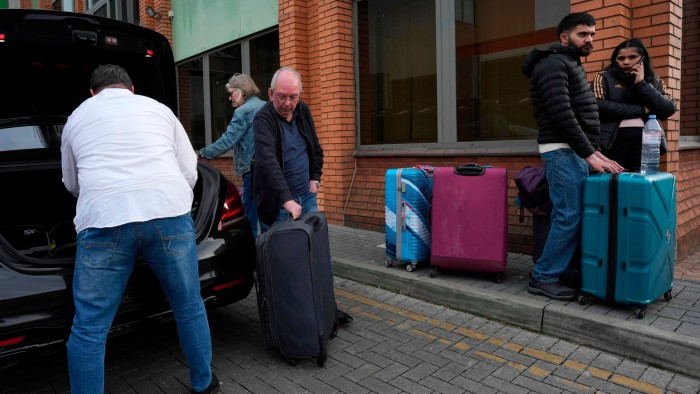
(11, 341)
(226, 285)
(2, 37)
(232, 213)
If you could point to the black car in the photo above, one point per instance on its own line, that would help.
(46, 59)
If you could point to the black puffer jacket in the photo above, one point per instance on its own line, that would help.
(563, 103)
(618, 99)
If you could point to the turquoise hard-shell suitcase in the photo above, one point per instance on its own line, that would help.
(628, 238)
(407, 203)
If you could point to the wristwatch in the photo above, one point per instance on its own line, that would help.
(201, 154)
(318, 183)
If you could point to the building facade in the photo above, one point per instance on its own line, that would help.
(396, 83)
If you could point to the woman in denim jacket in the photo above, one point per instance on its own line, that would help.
(243, 94)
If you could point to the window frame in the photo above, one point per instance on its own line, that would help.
(129, 15)
(206, 81)
(445, 15)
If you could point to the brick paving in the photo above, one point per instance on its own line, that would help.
(396, 344)
(668, 335)
(401, 344)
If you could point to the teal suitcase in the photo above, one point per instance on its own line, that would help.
(628, 238)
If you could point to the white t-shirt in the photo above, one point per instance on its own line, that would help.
(128, 159)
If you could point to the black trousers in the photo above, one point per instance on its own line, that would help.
(627, 148)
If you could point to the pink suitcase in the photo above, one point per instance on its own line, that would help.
(470, 219)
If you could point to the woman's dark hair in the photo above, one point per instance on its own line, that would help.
(649, 75)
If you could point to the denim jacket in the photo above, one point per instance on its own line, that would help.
(238, 136)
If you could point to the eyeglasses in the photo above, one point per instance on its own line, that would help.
(292, 99)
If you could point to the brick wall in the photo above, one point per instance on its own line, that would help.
(162, 24)
(316, 39)
(690, 94)
(689, 171)
(312, 39)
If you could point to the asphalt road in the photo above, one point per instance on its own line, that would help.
(396, 344)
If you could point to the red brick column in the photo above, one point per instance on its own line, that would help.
(316, 39)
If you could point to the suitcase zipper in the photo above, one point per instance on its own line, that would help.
(400, 215)
(612, 239)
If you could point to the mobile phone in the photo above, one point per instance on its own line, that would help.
(640, 60)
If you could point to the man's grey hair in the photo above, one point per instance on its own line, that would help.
(273, 84)
(244, 83)
(109, 74)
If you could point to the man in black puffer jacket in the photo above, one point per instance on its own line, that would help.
(567, 116)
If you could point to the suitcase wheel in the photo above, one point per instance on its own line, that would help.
(434, 272)
(583, 299)
(641, 312)
(499, 277)
(668, 295)
(292, 361)
(389, 263)
(321, 361)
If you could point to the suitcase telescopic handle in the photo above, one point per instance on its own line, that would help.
(470, 169)
(314, 221)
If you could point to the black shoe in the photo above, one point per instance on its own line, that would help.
(555, 291)
(571, 279)
(213, 386)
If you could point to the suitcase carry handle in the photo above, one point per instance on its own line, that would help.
(470, 169)
(315, 222)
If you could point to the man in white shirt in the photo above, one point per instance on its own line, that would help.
(129, 162)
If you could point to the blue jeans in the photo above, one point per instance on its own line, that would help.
(248, 203)
(308, 204)
(566, 173)
(103, 264)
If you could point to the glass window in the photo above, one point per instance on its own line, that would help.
(487, 97)
(398, 71)
(191, 94)
(123, 10)
(264, 60)
(22, 137)
(205, 110)
(222, 65)
(492, 93)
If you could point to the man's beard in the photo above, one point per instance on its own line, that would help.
(581, 51)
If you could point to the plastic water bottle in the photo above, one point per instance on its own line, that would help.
(651, 140)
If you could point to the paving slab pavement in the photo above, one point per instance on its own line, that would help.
(668, 336)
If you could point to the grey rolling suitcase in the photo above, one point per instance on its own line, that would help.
(294, 289)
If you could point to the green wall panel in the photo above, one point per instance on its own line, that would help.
(200, 25)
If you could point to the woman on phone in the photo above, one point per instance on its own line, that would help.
(628, 91)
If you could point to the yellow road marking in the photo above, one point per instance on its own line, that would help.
(635, 384)
(599, 373)
(490, 356)
(425, 334)
(471, 333)
(552, 358)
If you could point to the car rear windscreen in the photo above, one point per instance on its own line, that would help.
(47, 62)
